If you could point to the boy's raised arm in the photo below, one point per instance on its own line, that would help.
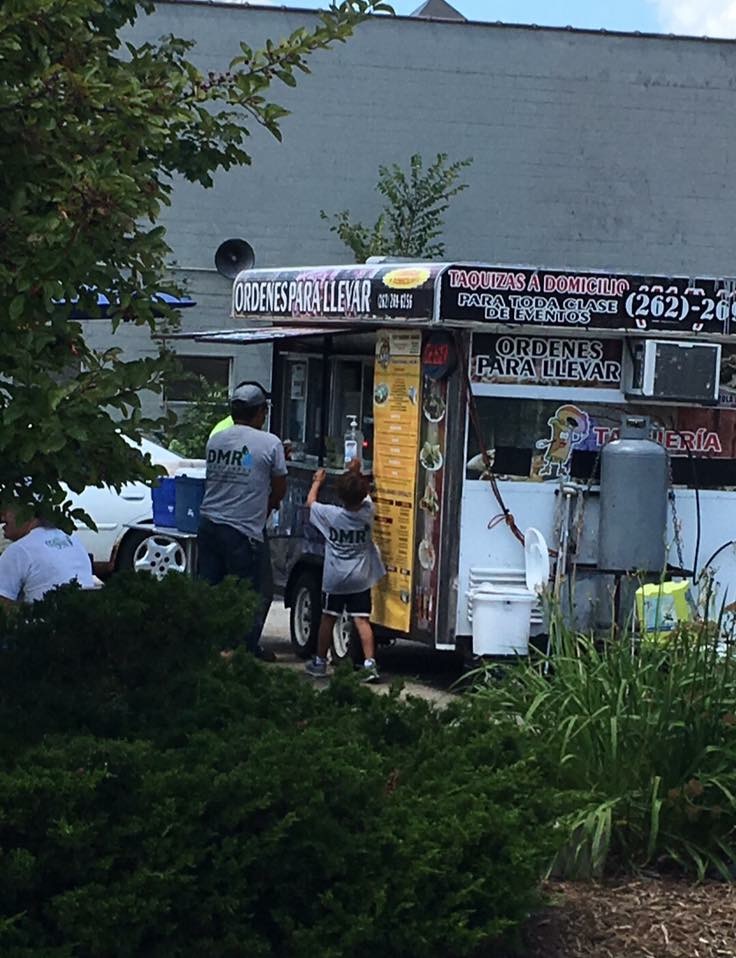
(317, 482)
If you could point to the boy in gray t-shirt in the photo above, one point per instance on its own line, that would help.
(352, 565)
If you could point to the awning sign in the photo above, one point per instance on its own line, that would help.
(475, 293)
(581, 300)
(404, 291)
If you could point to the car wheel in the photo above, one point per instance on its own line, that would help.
(345, 642)
(305, 613)
(156, 554)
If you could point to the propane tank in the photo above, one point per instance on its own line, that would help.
(633, 501)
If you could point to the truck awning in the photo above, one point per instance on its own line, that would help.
(490, 296)
(365, 292)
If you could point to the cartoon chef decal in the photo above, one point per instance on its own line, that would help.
(568, 428)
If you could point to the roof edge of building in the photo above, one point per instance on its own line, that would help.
(461, 23)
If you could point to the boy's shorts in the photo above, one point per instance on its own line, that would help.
(356, 604)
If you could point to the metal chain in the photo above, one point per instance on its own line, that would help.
(675, 517)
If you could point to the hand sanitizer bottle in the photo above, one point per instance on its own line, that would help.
(353, 441)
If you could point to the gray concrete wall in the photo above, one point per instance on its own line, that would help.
(590, 149)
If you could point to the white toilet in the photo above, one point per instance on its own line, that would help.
(501, 613)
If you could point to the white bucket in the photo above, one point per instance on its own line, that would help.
(501, 619)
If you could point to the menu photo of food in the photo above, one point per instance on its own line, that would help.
(434, 407)
(430, 456)
(427, 555)
(381, 394)
(430, 502)
(383, 352)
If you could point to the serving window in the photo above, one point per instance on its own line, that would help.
(351, 394)
(300, 405)
(550, 439)
(317, 392)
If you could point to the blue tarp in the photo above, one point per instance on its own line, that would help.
(104, 303)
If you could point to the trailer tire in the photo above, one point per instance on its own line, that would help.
(346, 645)
(305, 613)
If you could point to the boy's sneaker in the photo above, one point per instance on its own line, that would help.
(317, 668)
(369, 672)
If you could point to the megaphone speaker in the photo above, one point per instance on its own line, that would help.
(232, 256)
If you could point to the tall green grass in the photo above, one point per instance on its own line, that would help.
(644, 735)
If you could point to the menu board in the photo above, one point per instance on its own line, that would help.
(396, 408)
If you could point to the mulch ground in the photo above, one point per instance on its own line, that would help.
(644, 918)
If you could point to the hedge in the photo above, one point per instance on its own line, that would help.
(166, 802)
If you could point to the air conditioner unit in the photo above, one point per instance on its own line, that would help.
(666, 370)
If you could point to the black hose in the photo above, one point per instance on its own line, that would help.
(719, 550)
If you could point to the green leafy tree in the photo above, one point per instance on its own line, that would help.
(189, 434)
(94, 130)
(413, 216)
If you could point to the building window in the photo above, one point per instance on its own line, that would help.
(214, 370)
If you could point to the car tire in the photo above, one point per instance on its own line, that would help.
(305, 613)
(138, 542)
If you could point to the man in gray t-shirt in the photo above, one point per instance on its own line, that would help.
(246, 480)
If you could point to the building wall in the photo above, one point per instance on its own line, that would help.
(590, 149)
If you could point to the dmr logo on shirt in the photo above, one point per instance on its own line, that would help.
(231, 457)
(356, 537)
(58, 543)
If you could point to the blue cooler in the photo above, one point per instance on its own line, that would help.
(163, 498)
(189, 495)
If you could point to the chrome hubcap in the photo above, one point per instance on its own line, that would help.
(159, 555)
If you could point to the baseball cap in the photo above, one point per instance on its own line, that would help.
(250, 394)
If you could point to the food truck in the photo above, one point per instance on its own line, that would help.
(484, 398)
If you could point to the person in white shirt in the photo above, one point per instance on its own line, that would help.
(39, 558)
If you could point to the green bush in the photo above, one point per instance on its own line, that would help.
(116, 660)
(645, 734)
(252, 815)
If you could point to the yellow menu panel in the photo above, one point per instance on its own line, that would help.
(396, 409)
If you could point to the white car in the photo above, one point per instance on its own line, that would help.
(115, 544)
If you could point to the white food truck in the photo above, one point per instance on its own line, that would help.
(484, 397)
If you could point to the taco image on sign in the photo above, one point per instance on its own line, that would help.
(406, 277)
(568, 427)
